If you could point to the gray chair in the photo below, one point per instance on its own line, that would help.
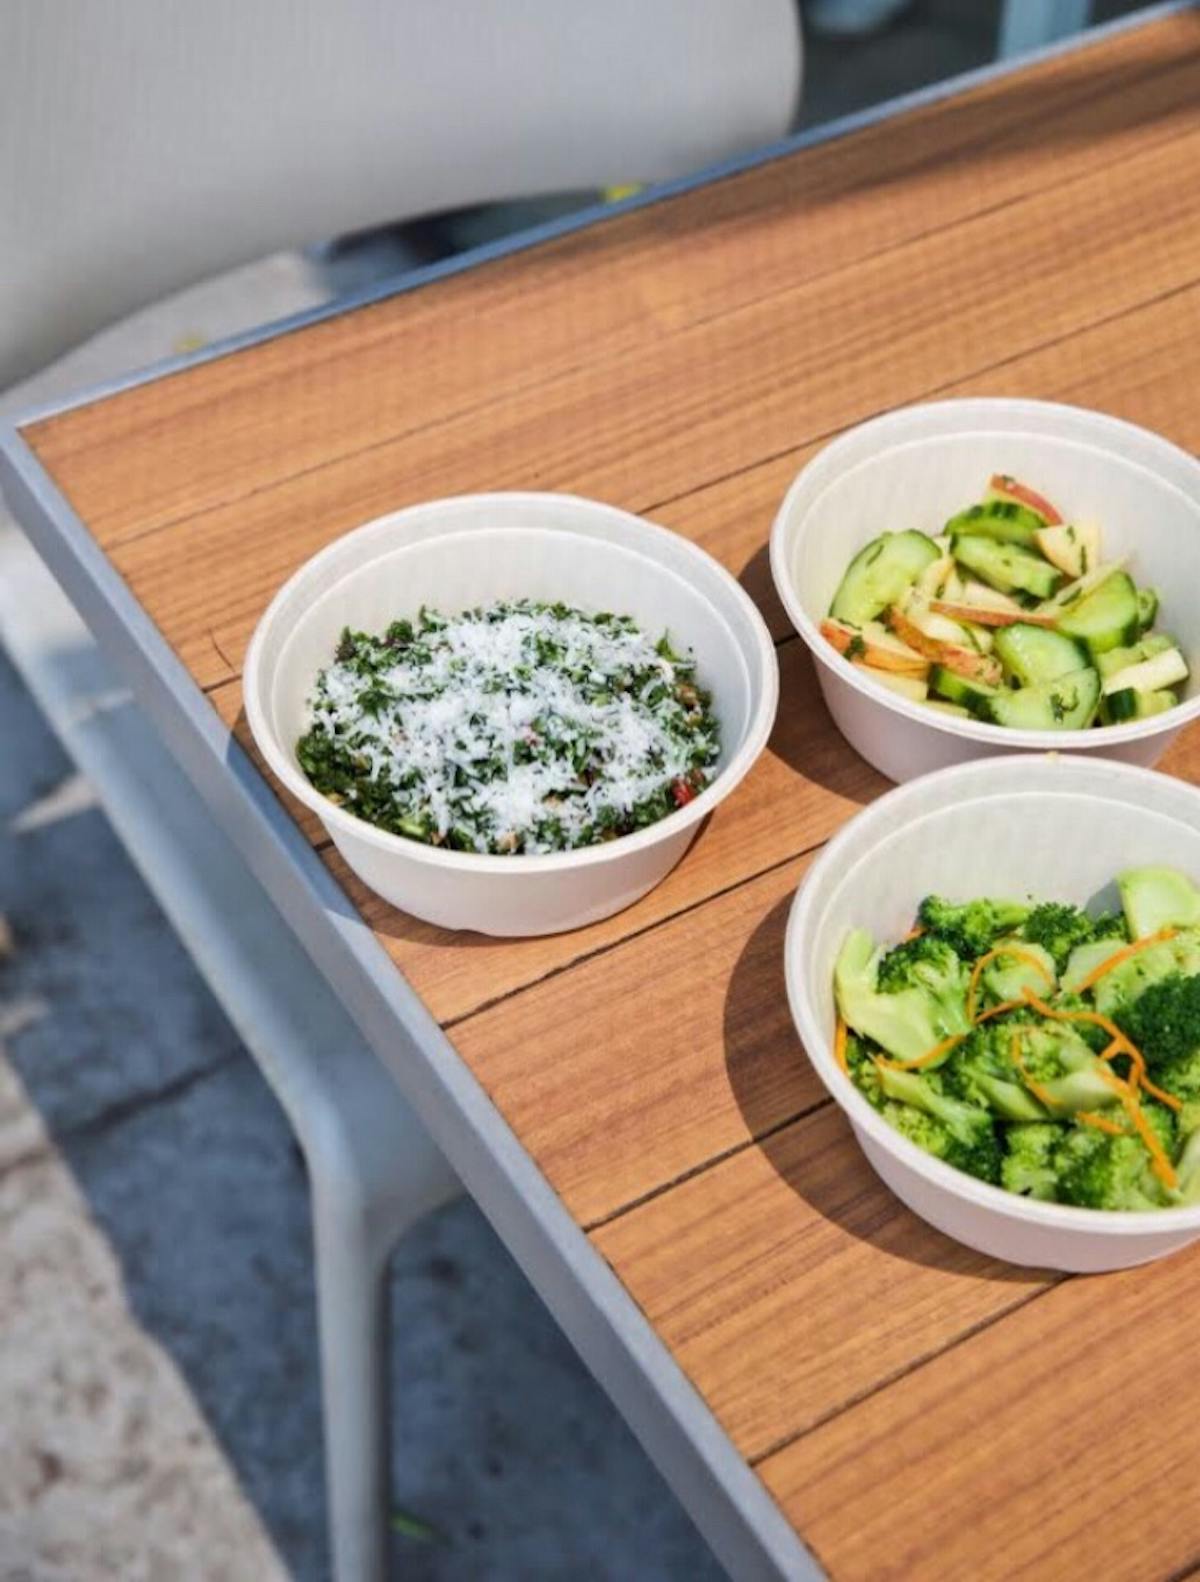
(145, 146)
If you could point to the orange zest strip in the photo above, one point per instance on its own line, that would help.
(1101, 1123)
(1118, 957)
(914, 932)
(927, 1059)
(1159, 1163)
(998, 1010)
(1118, 1045)
(839, 1045)
(991, 955)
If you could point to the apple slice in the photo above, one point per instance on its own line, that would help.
(978, 616)
(875, 646)
(1071, 592)
(1074, 548)
(934, 579)
(964, 661)
(1003, 486)
(910, 687)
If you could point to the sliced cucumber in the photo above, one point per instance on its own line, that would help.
(1007, 567)
(974, 696)
(1066, 704)
(1147, 599)
(1105, 618)
(1130, 704)
(1149, 675)
(1121, 658)
(880, 573)
(1034, 654)
(1072, 592)
(1005, 520)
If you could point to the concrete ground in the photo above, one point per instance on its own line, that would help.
(159, 1413)
(158, 1390)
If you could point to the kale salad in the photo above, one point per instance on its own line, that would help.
(1047, 1051)
(522, 727)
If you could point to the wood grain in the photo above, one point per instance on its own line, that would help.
(789, 1282)
(659, 424)
(1062, 1443)
(1039, 236)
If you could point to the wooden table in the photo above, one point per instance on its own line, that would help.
(914, 1409)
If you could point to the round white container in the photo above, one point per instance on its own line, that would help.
(915, 468)
(477, 549)
(1055, 827)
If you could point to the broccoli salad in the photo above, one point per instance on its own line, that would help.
(1047, 1051)
(1010, 615)
(523, 727)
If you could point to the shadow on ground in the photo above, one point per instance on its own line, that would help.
(502, 1441)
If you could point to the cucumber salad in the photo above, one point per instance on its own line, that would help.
(1045, 1050)
(1011, 615)
(523, 727)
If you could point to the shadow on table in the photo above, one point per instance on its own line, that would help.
(801, 1133)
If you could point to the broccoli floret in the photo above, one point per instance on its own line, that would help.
(959, 1133)
(1069, 1076)
(981, 1072)
(922, 961)
(925, 1005)
(1120, 987)
(971, 927)
(864, 1073)
(1009, 976)
(1096, 1170)
(1028, 1164)
(1093, 1036)
(1164, 1022)
(1059, 927)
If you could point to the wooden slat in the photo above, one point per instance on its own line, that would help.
(1063, 1443)
(717, 397)
(354, 382)
(789, 1282)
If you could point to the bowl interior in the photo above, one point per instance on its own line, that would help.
(921, 484)
(462, 567)
(1038, 829)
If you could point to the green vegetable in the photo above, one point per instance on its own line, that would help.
(1028, 1164)
(967, 694)
(1095, 1170)
(1008, 977)
(970, 927)
(1164, 1023)
(881, 571)
(1058, 927)
(1068, 704)
(961, 1134)
(1036, 654)
(1007, 567)
(923, 1003)
(1155, 898)
(1005, 520)
(1105, 618)
(981, 1072)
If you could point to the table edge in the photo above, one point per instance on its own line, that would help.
(595, 214)
(724, 1497)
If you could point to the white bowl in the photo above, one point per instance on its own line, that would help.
(915, 468)
(476, 549)
(1056, 827)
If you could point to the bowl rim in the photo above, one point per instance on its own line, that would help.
(644, 535)
(999, 737)
(981, 1194)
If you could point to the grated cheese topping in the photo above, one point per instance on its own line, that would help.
(522, 727)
